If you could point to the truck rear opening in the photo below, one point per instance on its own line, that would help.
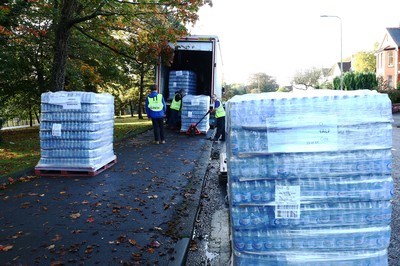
(198, 62)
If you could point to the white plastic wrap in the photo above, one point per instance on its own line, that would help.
(76, 131)
(194, 108)
(309, 177)
(301, 258)
(185, 80)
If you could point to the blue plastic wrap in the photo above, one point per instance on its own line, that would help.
(76, 131)
(310, 177)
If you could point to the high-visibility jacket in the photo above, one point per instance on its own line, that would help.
(155, 103)
(220, 111)
(176, 105)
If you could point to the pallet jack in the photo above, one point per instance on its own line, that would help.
(193, 130)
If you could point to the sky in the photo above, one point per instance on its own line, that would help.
(282, 37)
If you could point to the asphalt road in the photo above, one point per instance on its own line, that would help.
(141, 211)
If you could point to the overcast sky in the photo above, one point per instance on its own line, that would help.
(281, 37)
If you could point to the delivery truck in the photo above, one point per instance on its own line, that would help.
(196, 68)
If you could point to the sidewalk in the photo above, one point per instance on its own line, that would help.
(141, 211)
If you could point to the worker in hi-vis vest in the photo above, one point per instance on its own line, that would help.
(155, 110)
(174, 119)
(219, 113)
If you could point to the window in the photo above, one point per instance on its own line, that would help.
(390, 82)
(390, 58)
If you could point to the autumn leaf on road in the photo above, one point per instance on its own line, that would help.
(132, 242)
(90, 220)
(155, 244)
(6, 247)
(75, 215)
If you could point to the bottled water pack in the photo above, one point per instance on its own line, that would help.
(310, 177)
(76, 131)
(182, 80)
(194, 107)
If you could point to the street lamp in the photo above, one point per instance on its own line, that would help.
(341, 48)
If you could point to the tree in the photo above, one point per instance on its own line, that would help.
(364, 62)
(164, 20)
(233, 89)
(308, 78)
(261, 82)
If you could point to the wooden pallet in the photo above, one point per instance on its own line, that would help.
(73, 172)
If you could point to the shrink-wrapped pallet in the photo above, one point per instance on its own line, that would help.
(76, 132)
(310, 178)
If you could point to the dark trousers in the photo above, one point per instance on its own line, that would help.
(220, 129)
(173, 121)
(158, 128)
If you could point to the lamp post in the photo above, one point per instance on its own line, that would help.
(341, 48)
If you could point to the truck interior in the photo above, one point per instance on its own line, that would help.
(198, 61)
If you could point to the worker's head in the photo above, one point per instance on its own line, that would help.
(154, 88)
(214, 97)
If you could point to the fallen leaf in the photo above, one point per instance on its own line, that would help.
(150, 250)
(89, 249)
(11, 180)
(51, 247)
(6, 247)
(75, 215)
(62, 192)
(57, 263)
(132, 242)
(155, 244)
(57, 237)
(152, 197)
(90, 220)
(136, 255)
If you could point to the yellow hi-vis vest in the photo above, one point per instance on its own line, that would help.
(155, 103)
(220, 111)
(176, 105)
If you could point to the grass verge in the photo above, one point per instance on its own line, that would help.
(20, 148)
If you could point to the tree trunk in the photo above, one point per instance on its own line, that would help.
(131, 108)
(140, 115)
(62, 34)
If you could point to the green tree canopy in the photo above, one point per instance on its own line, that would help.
(364, 62)
(308, 77)
(261, 82)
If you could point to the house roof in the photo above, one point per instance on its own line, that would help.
(395, 34)
(346, 66)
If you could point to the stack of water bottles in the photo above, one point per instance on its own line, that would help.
(194, 110)
(310, 178)
(182, 80)
(76, 131)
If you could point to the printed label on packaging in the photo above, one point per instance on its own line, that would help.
(287, 200)
(56, 130)
(67, 102)
(72, 103)
(315, 134)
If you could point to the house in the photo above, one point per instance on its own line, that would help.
(335, 70)
(388, 58)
